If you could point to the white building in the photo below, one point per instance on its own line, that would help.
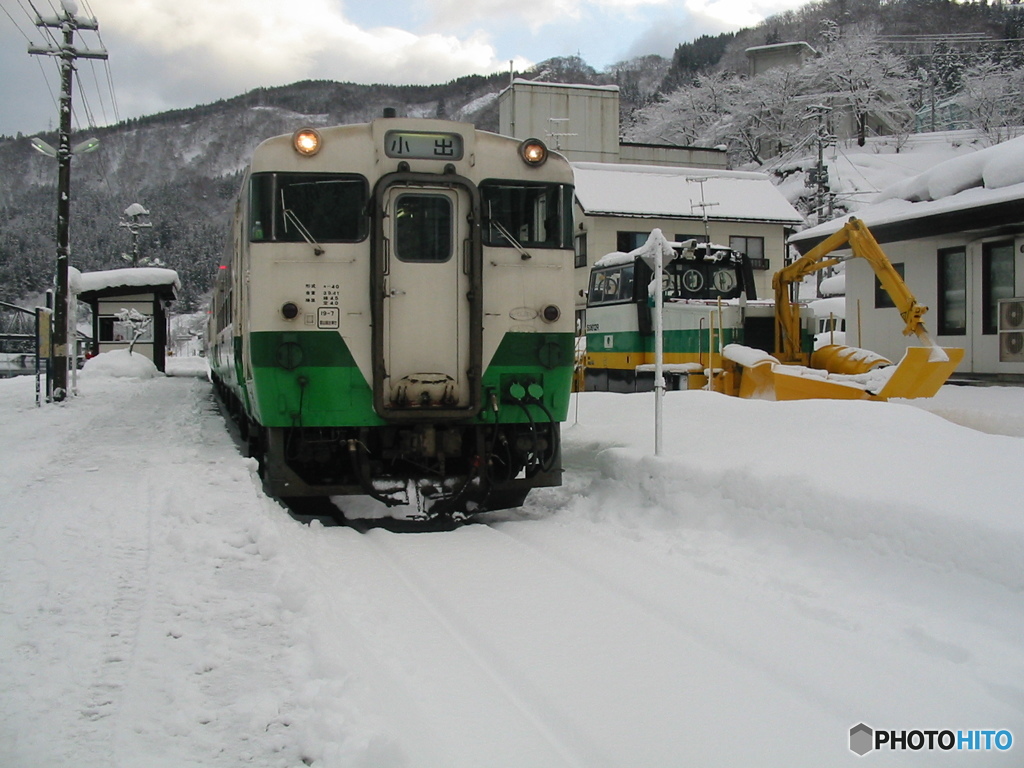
(956, 233)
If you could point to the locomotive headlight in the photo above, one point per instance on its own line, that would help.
(307, 141)
(551, 313)
(533, 152)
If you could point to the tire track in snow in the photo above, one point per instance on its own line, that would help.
(531, 704)
(588, 658)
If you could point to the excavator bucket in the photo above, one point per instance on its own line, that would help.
(921, 372)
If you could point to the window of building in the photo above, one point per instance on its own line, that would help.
(581, 251)
(753, 247)
(997, 281)
(952, 309)
(630, 241)
(114, 330)
(882, 298)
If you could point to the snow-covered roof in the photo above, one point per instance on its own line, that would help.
(654, 191)
(131, 277)
(948, 197)
(571, 86)
(834, 285)
(833, 305)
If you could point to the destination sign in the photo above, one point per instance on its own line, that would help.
(422, 145)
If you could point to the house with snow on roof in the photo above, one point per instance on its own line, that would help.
(956, 234)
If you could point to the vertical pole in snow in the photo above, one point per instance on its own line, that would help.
(69, 23)
(659, 348)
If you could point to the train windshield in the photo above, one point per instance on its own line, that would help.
(611, 285)
(296, 207)
(527, 214)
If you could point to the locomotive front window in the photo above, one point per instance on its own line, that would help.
(535, 215)
(297, 207)
(423, 228)
(611, 286)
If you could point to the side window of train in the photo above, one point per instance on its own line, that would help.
(331, 207)
(533, 214)
(423, 228)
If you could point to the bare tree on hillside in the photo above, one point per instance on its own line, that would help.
(861, 77)
(991, 98)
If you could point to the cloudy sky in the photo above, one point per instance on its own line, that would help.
(166, 54)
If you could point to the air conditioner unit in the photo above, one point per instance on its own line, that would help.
(1011, 330)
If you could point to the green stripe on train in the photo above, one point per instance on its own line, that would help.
(689, 341)
(310, 379)
(542, 358)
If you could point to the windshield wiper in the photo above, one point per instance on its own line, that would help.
(523, 253)
(289, 216)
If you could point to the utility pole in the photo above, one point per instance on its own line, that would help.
(819, 175)
(69, 23)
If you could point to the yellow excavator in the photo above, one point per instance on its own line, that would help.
(837, 371)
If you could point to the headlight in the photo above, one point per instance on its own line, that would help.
(307, 141)
(533, 152)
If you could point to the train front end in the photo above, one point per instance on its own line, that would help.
(403, 324)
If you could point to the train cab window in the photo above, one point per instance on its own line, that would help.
(532, 214)
(613, 285)
(423, 228)
(297, 207)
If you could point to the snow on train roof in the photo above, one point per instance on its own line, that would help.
(987, 177)
(654, 191)
(130, 277)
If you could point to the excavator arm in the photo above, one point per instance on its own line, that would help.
(859, 239)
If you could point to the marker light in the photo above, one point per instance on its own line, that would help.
(307, 141)
(533, 152)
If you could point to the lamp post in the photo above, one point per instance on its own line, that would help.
(133, 223)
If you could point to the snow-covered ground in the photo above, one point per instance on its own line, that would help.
(783, 572)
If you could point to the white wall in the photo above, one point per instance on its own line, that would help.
(880, 330)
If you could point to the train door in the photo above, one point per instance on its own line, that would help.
(428, 336)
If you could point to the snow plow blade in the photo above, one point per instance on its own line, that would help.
(917, 375)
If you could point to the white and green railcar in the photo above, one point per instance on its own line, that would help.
(395, 313)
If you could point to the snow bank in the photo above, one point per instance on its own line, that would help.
(122, 364)
(883, 479)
